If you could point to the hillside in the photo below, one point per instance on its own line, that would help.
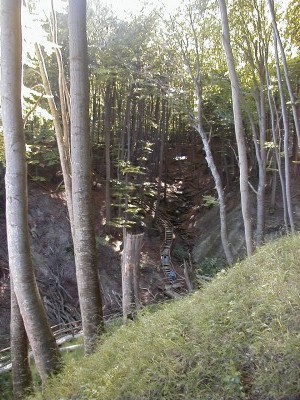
(238, 338)
(196, 231)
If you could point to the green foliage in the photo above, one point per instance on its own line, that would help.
(5, 386)
(292, 16)
(209, 201)
(43, 155)
(180, 252)
(236, 339)
(210, 266)
(102, 240)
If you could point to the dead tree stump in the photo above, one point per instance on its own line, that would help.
(130, 274)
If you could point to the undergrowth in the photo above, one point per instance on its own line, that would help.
(239, 338)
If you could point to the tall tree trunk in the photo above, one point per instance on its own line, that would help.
(216, 176)
(261, 190)
(260, 151)
(84, 243)
(45, 350)
(107, 133)
(239, 129)
(197, 79)
(162, 131)
(94, 112)
(127, 144)
(63, 146)
(21, 372)
(64, 95)
(277, 146)
(286, 139)
(285, 69)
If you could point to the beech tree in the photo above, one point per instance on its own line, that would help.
(21, 373)
(251, 35)
(239, 129)
(84, 234)
(275, 123)
(193, 50)
(285, 69)
(286, 130)
(42, 341)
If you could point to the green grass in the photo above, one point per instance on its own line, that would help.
(239, 338)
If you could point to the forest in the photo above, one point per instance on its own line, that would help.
(142, 157)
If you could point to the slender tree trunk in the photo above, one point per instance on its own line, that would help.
(239, 130)
(63, 149)
(261, 191)
(274, 188)
(165, 164)
(162, 131)
(285, 69)
(260, 151)
(156, 134)
(218, 181)
(21, 372)
(126, 156)
(94, 112)
(197, 79)
(64, 95)
(286, 140)
(45, 350)
(84, 243)
(107, 133)
(277, 147)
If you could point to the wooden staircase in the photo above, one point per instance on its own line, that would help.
(174, 282)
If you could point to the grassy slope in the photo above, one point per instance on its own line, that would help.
(239, 338)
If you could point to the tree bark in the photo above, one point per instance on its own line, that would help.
(107, 133)
(197, 80)
(285, 69)
(130, 274)
(45, 350)
(21, 373)
(62, 144)
(262, 157)
(286, 139)
(162, 131)
(239, 129)
(277, 148)
(84, 243)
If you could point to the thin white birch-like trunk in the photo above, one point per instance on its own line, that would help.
(285, 69)
(61, 137)
(219, 187)
(276, 149)
(107, 133)
(84, 233)
(286, 139)
(261, 190)
(259, 145)
(42, 342)
(239, 129)
(196, 77)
